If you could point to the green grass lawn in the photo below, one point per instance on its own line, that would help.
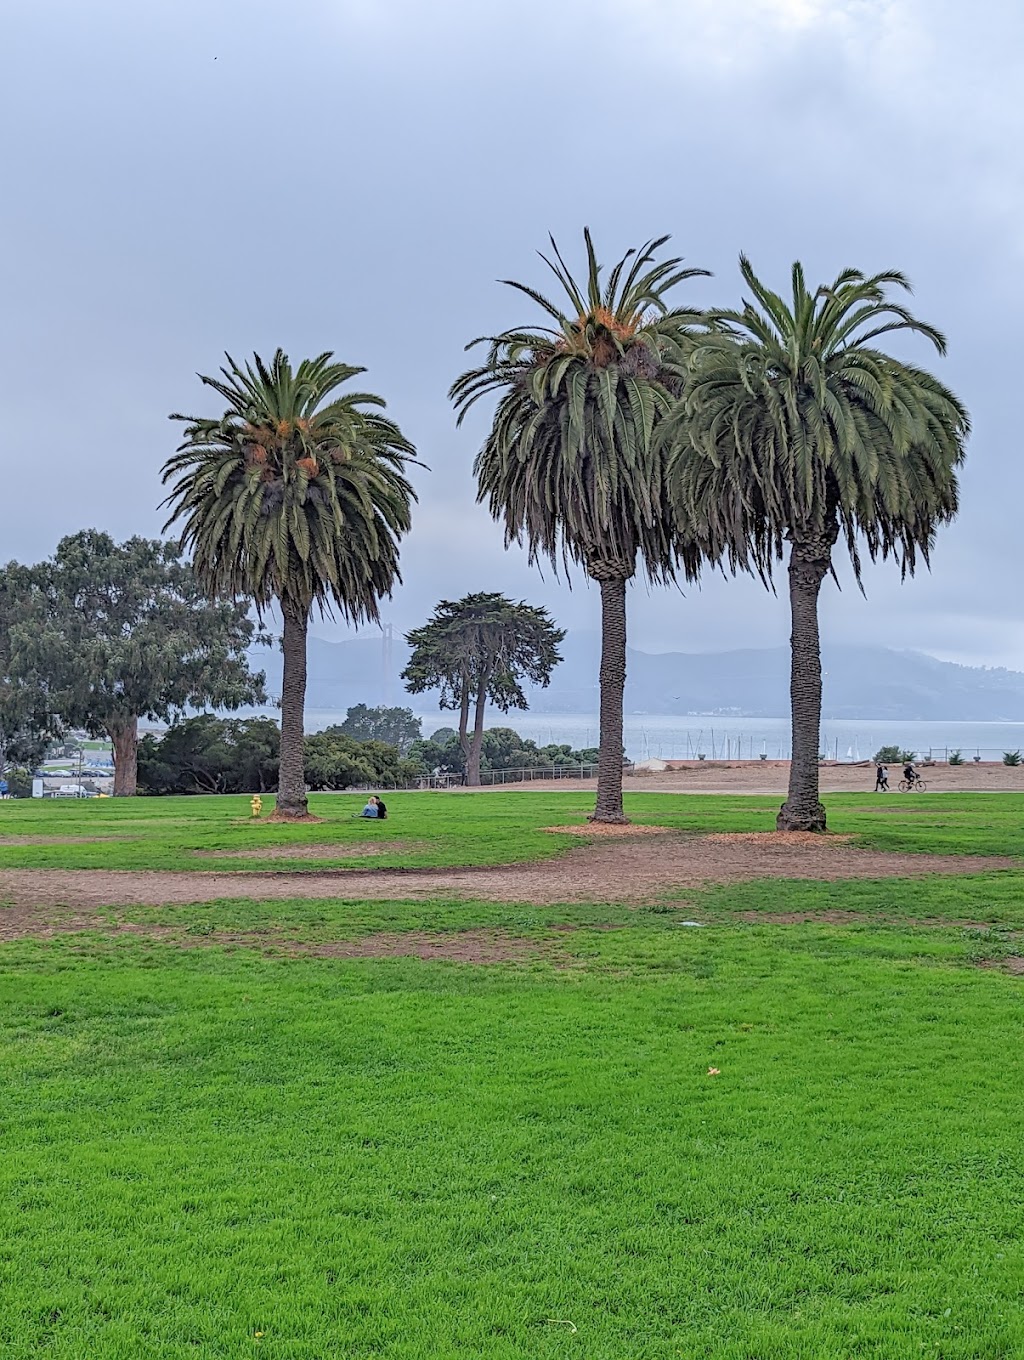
(227, 1152)
(436, 829)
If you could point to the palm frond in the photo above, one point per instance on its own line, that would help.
(792, 422)
(317, 516)
(571, 466)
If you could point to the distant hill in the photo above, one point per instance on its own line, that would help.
(860, 682)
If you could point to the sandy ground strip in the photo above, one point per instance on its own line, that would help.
(620, 870)
(771, 777)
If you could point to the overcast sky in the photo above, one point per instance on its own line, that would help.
(182, 177)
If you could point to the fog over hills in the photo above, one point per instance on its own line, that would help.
(860, 682)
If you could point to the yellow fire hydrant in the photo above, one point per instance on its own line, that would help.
(256, 805)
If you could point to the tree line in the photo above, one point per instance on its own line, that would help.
(382, 746)
(630, 435)
(106, 634)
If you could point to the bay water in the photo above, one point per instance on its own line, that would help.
(670, 737)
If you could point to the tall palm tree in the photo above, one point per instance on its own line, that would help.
(796, 429)
(571, 465)
(293, 497)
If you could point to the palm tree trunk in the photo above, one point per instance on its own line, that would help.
(613, 685)
(809, 561)
(124, 736)
(475, 746)
(291, 785)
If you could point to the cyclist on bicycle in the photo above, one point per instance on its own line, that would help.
(910, 774)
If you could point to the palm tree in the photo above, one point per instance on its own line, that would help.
(294, 498)
(796, 429)
(571, 465)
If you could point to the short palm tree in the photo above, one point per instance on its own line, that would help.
(796, 429)
(571, 465)
(295, 497)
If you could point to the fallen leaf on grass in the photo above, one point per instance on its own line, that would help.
(561, 1322)
(714, 1072)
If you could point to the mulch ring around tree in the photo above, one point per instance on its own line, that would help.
(627, 870)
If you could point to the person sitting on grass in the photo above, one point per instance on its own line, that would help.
(375, 807)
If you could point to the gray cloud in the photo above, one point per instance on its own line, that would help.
(354, 176)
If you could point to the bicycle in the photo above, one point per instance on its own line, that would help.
(917, 786)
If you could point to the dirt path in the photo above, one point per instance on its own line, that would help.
(628, 871)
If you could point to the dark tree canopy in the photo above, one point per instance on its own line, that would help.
(207, 754)
(398, 727)
(480, 650)
(335, 760)
(119, 632)
(26, 724)
(502, 748)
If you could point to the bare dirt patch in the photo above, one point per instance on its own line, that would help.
(850, 918)
(43, 922)
(318, 851)
(808, 839)
(466, 946)
(598, 830)
(1013, 964)
(570, 927)
(62, 840)
(623, 871)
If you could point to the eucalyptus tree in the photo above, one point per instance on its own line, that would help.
(296, 497)
(797, 429)
(477, 650)
(114, 632)
(27, 724)
(571, 466)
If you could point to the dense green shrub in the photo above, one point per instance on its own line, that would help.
(394, 726)
(19, 782)
(502, 749)
(893, 755)
(208, 754)
(335, 760)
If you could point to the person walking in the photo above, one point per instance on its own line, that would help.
(881, 779)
